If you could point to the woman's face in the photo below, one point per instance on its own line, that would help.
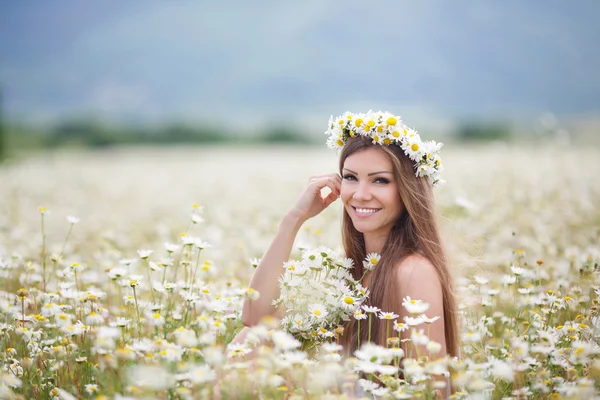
(370, 192)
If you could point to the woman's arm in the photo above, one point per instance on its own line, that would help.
(265, 279)
(270, 268)
(417, 278)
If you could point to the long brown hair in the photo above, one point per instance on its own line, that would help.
(415, 232)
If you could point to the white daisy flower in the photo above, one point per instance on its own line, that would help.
(358, 314)
(145, 253)
(170, 247)
(73, 220)
(371, 261)
(201, 374)
(371, 309)
(388, 315)
(411, 321)
(400, 326)
(318, 311)
(414, 306)
(413, 148)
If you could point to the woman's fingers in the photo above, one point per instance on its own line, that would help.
(330, 198)
(333, 182)
(320, 178)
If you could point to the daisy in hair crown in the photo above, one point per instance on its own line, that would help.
(387, 129)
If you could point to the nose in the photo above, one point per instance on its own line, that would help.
(362, 192)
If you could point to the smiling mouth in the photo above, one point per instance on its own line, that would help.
(365, 212)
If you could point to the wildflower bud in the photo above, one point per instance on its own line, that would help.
(269, 321)
(433, 347)
(22, 293)
(339, 330)
(133, 283)
(539, 262)
(595, 369)
(251, 294)
(144, 254)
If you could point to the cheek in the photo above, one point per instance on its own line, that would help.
(393, 198)
(345, 194)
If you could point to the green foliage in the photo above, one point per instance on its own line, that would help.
(89, 133)
(483, 131)
(282, 135)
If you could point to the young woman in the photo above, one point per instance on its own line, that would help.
(385, 183)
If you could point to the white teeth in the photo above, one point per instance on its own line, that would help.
(367, 210)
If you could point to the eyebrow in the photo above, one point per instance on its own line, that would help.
(371, 173)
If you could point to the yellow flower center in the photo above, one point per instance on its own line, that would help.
(371, 123)
(387, 141)
(358, 122)
(348, 300)
(374, 261)
(391, 121)
(414, 147)
(317, 312)
(339, 142)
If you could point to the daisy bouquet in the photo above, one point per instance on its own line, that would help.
(318, 293)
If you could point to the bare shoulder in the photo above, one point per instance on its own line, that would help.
(417, 273)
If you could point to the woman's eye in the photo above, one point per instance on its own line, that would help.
(349, 177)
(382, 180)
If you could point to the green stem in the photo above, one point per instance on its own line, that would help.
(137, 311)
(62, 250)
(43, 254)
(149, 279)
(178, 261)
(358, 341)
(387, 331)
(193, 278)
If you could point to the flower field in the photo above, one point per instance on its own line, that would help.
(123, 274)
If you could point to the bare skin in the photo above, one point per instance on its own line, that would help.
(265, 279)
(368, 184)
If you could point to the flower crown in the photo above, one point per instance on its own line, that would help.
(386, 129)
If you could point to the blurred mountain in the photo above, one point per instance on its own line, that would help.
(264, 60)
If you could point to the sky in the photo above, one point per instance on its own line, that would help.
(432, 60)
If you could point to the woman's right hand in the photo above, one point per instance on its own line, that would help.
(310, 202)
